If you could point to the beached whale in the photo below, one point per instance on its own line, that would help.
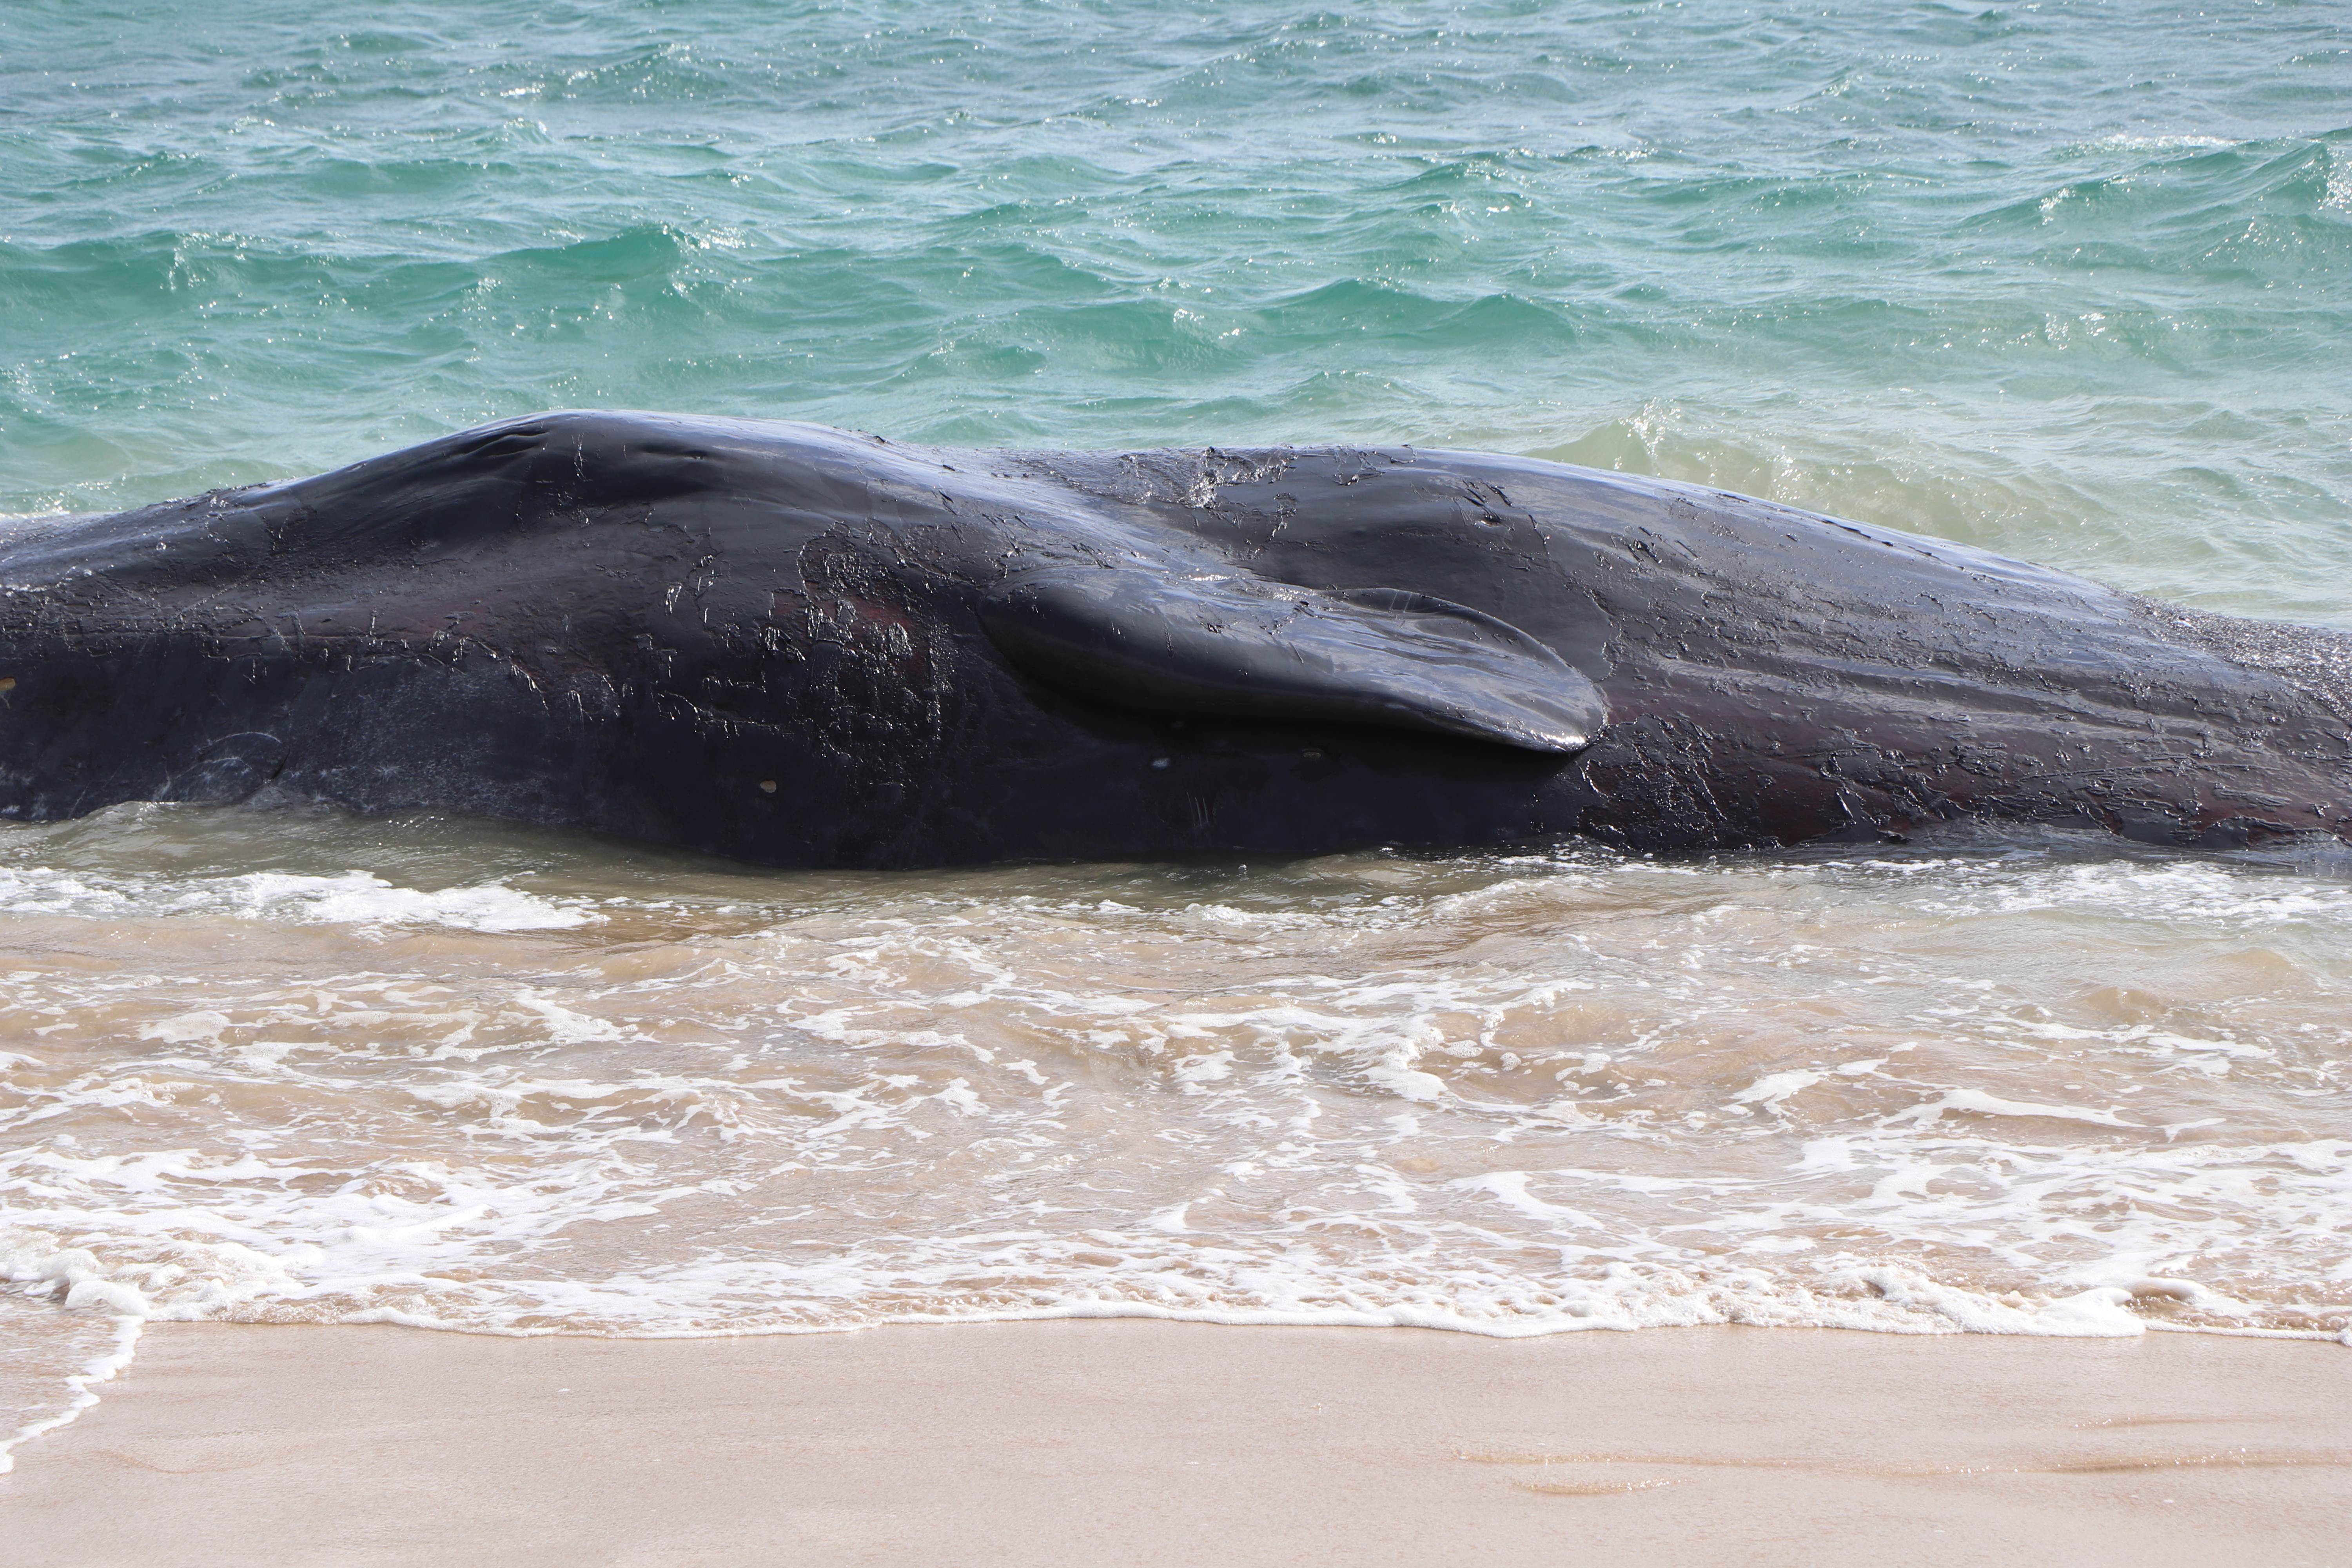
(800, 647)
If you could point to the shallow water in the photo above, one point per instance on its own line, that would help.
(285, 1066)
(2065, 282)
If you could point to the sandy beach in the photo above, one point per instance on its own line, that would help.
(1140, 1442)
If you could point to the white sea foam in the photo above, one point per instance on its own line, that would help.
(351, 898)
(71, 1386)
(2339, 180)
(2125, 142)
(2027, 1091)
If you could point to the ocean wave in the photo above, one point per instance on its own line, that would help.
(2040, 1086)
(352, 898)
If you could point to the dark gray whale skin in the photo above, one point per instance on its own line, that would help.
(798, 646)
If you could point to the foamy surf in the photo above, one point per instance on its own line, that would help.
(51, 1367)
(2046, 1087)
(352, 898)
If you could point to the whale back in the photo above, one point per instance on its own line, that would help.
(807, 647)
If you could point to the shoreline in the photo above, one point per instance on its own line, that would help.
(1143, 1441)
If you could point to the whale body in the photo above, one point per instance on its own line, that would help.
(801, 647)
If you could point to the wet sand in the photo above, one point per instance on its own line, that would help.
(1135, 1442)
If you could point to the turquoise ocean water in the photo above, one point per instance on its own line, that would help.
(2071, 281)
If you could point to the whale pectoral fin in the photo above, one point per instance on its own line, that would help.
(1232, 648)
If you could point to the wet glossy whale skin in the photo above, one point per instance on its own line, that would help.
(799, 647)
